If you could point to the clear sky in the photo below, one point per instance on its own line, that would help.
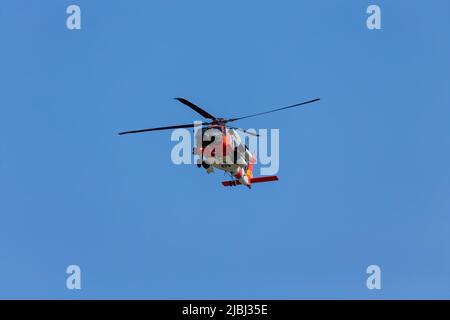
(364, 174)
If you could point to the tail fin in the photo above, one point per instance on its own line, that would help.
(249, 172)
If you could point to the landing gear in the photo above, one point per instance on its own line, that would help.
(205, 165)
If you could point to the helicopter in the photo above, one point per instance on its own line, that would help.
(220, 147)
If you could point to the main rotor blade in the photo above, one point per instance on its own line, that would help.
(196, 108)
(275, 110)
(244, 131)
(164, 128)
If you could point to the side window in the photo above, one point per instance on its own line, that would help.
(234, 142)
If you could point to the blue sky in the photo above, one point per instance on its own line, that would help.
(364, 175)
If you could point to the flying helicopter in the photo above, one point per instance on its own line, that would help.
(219, 146)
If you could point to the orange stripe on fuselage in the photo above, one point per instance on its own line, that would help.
(250, 168)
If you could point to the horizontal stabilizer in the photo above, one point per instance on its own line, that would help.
(230, 183)
(252, 180)
(264, 179)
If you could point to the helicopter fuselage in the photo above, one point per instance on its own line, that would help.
(221, 148)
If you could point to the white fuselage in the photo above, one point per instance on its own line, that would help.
(224, 151)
